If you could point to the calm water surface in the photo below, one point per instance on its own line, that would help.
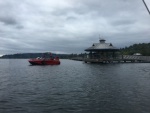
(74, 87)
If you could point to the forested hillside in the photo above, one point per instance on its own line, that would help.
(143, 48)
(31, 55)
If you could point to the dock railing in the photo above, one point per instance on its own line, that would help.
(133, 57)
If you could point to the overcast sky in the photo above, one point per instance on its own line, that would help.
(70, 26)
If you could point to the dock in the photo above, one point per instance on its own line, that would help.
(103, 52)
(120, 59)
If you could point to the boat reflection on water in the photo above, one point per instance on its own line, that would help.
(47, 59)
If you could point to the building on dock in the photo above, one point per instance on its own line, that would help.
(100, 52)
(107, 53)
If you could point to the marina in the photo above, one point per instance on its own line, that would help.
(107, 53)
(75, 56)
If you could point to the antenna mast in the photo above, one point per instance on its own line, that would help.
(146, 7)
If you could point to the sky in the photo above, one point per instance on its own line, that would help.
(71, 26)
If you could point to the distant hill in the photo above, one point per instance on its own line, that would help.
(30, 55)
(143, 48)
(35, 55)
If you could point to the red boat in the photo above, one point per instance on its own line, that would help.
(44, 61)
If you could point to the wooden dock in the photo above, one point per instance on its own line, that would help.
(120, 59)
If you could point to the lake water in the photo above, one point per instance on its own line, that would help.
(74, 87)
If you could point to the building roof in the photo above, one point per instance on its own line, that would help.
(102, 46)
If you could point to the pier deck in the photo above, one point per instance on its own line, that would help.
(120, 59)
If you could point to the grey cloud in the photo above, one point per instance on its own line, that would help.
(19, 27)
(71, 18)
(8, 20)
(70, 26)
(123, 22)
(9, 11)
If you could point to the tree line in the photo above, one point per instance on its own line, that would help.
(143, 48)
